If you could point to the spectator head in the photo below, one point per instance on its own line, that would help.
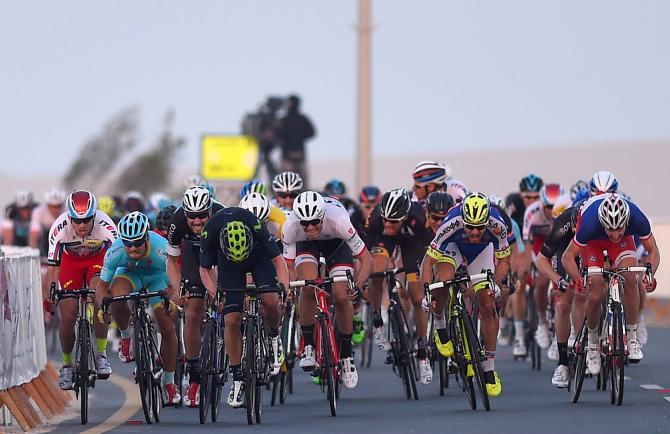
(293, 103)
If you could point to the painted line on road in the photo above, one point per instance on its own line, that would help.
(131, 405)
(667, 398)
(651, 386)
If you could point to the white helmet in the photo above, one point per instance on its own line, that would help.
(457, 190)
(159, 200)
(23, 198)
(428, 172)
(603, 182)
(309, 205)
(193, 181)
(257, 204)
(55, 197)
(614, 212)
(287, 182)
(196, 199)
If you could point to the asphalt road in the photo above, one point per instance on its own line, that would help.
(529, 403)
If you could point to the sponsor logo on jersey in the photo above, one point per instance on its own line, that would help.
(592, 258)
(203, 235)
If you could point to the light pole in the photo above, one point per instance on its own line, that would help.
(364, 109)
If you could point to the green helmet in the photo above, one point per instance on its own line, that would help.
(236, 241)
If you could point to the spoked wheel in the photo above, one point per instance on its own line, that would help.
(328, 368)
(218, 380)
(258, 401)
(578, 366)
(460, 349)
(618, 356)
(156, 367)
(476, 355)
(143, 374)
(82, 376)
(156, 398)
(284, 381)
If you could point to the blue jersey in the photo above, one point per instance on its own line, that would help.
(589, 226)
(516, 230)
(452, 231)
(153, 262)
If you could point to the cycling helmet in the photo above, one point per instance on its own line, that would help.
(236, 240)
(287, 182)
(257, 204)
(133, 201)
(55, 197)
(159, 201)
(562, 203)
(133, 226)
(577, 186)
(531, 183)
(457, 190)
(164, 216)
(210, 187)
(370, 194)
(614, 212)
(603, 182)
(196, 199)
(495, 200)
(106, 204)
(439, 202)
(395, 204)
(193, 181)
(550, 193)
(23, 198)
(576, 209)
(476, 209)
(309, 205)
(431, 172)
(335, 187)
(81, 204)
(253, 186)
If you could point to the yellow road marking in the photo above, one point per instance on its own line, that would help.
(131, 405)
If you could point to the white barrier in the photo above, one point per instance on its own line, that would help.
(22, 342)
(662, 234)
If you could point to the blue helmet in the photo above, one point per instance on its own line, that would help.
(531, 182)
(370, 193)
(133, 226)
(254, 186)
(335, 187)
(210, 187)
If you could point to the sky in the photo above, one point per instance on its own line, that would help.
(446, 74)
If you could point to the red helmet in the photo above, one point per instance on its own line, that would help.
(550, 193)
(81, 204)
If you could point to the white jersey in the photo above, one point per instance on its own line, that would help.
(336, 225)
(535, 222)
(41, 219)
(62, 237)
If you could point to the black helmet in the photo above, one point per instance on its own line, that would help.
(531, 183)
(163, 217)
(439, 202)
(395, 204)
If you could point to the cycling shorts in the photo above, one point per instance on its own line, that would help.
(73, 268)
(234, 276)
(592, 254)
(337, 253)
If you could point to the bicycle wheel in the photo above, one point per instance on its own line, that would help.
(249, 361)
(205, 371)
(618, 356)
(460, 350)
(218, 376)
(82, 376)
(476, 360)
(142, 368)
(327, 366)
(156, 374)
(262, 371)
(578, 364)
(444, 376)
(180, 368)
(406, 355)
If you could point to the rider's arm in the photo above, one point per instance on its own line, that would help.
(52, 275)
(543, 264)
(502, 268)
(282, 270)
(569, 260)
(654, 256)
(208, 277)
(35, 229)
(427, 269)
(364, 268)
(173, 271)
(8, 230)
(101, 291)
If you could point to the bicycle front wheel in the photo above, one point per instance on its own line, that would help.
(618, 356)
(461, 349)
(327, 365)
(578, 364)
(205, 371)
(476, 360)
(142, 369)
(249, 366)
(82, 376)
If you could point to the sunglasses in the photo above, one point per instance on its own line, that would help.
(197, 215)
(82, 221)
(475, 227)
(393, 222)
(292, 195)
(368, 205)
(134, 243)
(436, 218)
(530, 196)
(305, 223)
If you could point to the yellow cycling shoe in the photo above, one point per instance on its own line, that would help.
(494, 389)
(446, 349)
(469, 371)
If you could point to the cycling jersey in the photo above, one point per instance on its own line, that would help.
(517, 236)
(536, 226)
(558, 240)
(355, 214)
(63, 238)
(589, 227)
(275, 222)
(20, 226)
(511, 236)
(40, 222)
(336, 224)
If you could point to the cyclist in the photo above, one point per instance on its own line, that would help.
(43, 217)
(603, 182)
(254, 186)
(238, 243)
(457, 190)
(16, 227)
(193, 181)
(336, 189)
(137, 260)
(608, 223)
(429, 176)
(474, 235)
(438, 205)
(548, 262)
(163, 220)
(183, 265)
(286, 186)
(78, 239)
(157, 201)
(368, 199)
(400, 223)
(321, 227)
(268, 214)
(107, 204)
(537, 224)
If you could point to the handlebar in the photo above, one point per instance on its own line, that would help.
(252, 289)
(319, 281)
(136, 296)
(56, 295)
(394, 271)
(488, 275)
(590, 271)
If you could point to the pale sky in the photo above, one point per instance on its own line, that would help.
(447, 74)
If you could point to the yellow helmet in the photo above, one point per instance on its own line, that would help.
(106, 204)
(475, 209)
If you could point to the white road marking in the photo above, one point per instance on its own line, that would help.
(651, 386)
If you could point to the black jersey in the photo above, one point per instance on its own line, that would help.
(561, 234)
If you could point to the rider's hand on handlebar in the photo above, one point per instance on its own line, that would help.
(649, 284)
(563, 284)
(49, 306)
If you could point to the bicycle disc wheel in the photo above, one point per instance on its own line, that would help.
(476, 354)
(82, 372)
(205, 371)
(327, 367)
(579, 365)
(142, 374)
(618, 356)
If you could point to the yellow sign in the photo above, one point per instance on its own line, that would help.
(228, 158)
